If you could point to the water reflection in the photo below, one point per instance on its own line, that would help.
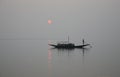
(49, 63)
(62, 57)
(64, 51)
(70, 51)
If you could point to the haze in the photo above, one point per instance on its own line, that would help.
(25, 32)
(69, 17)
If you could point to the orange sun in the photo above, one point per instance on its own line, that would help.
(49, 21)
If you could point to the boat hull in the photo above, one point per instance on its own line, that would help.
(69, 47)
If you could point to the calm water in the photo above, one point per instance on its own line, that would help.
(34, 58)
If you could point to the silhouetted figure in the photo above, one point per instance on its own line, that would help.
(83, 41)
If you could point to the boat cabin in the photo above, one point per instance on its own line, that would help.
(65, 45)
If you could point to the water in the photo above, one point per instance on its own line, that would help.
(34, 58)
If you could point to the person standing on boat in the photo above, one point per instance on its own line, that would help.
(83, 41)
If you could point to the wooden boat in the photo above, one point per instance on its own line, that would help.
(68, 45)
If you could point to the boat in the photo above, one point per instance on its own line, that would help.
(68, 45)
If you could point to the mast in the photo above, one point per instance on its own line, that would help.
(68, 39)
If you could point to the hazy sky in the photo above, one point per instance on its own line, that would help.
(68, 16)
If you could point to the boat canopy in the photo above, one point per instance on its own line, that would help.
(62, 42)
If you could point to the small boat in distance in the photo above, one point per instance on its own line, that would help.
(67, 45)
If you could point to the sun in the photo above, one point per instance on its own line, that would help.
(49, 21)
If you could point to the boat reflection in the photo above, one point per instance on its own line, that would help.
(63, 53)
(70, 50)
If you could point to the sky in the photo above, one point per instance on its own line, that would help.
(69, 17)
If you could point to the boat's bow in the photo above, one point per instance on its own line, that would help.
(52, 45)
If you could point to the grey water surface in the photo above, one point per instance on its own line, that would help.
(34, 58)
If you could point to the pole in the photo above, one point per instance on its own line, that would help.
(68, 39)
